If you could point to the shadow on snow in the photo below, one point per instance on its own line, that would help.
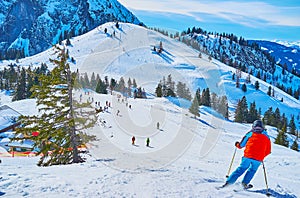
(274, 193)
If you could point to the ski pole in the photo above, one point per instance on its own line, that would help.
(231, 162)
(266, 181)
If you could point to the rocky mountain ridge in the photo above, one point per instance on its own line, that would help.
(28, 27)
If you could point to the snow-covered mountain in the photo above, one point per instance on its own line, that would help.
(129, 53)
(28, 27)
(229, 49)
(248, 56)
(188, 157)
(284, 53)
(294, 44)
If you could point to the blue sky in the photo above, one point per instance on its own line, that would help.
(265, 19)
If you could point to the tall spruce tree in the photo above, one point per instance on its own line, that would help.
(194, 108)
(93, 81)
(30, 82)
(112, 85)
(198, 96)
(295, 145)
(276, 119)
(129, 84)
(244, 88)
(256, 85)
(170, 85)
(20, 92)
(183, 91)
(205, 99)
(121, 87)
(253, 113)
(61, 120)
(292, 125)
(268, 118)
(158, 90)
(214, 101)
(101, 87)
(241, 112)
(134, 84)
(269, 91)
(223, 107)
(281, 138)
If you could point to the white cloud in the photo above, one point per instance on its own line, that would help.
(245, 13)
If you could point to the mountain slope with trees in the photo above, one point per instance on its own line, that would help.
(247, 56)
(130, 54)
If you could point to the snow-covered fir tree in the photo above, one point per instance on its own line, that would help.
(62, 120)
(194, 108)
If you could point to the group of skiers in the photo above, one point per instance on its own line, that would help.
(147, 141)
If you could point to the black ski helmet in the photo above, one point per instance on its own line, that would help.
(258, 126)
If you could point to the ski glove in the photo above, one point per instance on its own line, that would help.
(237, 144)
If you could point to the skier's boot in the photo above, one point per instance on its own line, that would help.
(247, 186)
(226, 184)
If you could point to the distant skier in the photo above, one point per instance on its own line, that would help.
(258, 146)
(133, 140)
(148, 142)
(157, 125)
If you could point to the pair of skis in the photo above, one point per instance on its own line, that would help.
(246, 188)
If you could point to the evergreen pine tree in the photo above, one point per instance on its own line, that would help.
(269, 91)
(292, 125)
(214, 101)
(275, 119)
(284, 123)
(295, 145)
(112, 85)
(68, 42)
(256, 85)
(101, 87)
(86, 81)
(241, 112)
(258, 74)
(183, 91)
(158, 90)
(198, 96)
(61, 119)
(129, 84)
(248, 79)
(223, 107)
(170, 85)
(20, 92)
(205, 99)
(93, 82)
(244, 88)
(180, 89)
(268, 116)
(194, 108)
(30, 82)
(121, 87)
(134, 84)
(253, 113)
(281, 139)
